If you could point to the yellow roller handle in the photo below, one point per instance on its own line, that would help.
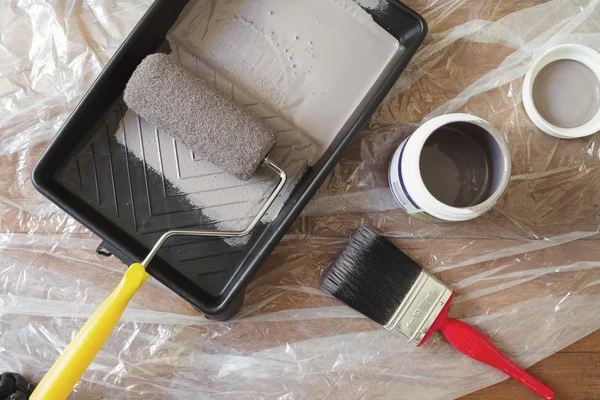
(59, 382)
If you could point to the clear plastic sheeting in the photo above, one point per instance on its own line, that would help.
(50, 53)
(527, 273)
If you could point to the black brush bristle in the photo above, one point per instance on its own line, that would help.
(371, 275)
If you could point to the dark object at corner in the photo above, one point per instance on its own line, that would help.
(14, 387)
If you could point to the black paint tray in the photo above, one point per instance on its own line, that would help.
(93, 178)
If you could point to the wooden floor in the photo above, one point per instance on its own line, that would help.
(573, 373)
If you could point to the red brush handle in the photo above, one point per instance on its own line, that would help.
(472, 343)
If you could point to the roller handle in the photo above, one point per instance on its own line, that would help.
(472, 343)
(58, 383)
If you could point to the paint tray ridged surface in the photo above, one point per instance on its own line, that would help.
(129, 182)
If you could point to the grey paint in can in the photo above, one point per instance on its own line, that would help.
(454, 167)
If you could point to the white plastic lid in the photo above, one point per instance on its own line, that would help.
(574, 52)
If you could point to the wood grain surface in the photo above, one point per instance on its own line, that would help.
(532, 209)
(573, 373)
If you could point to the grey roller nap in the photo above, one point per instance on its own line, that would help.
(188, 108)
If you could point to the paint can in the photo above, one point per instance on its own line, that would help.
(454, 167)
(561, 93)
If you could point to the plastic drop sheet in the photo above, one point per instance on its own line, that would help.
(527, 273)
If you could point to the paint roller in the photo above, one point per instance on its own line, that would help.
(189, 109)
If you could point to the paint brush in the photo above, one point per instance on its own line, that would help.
(375, 278)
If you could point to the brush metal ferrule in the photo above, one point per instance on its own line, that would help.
(420, 308)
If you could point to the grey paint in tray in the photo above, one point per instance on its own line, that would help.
(126, 201)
